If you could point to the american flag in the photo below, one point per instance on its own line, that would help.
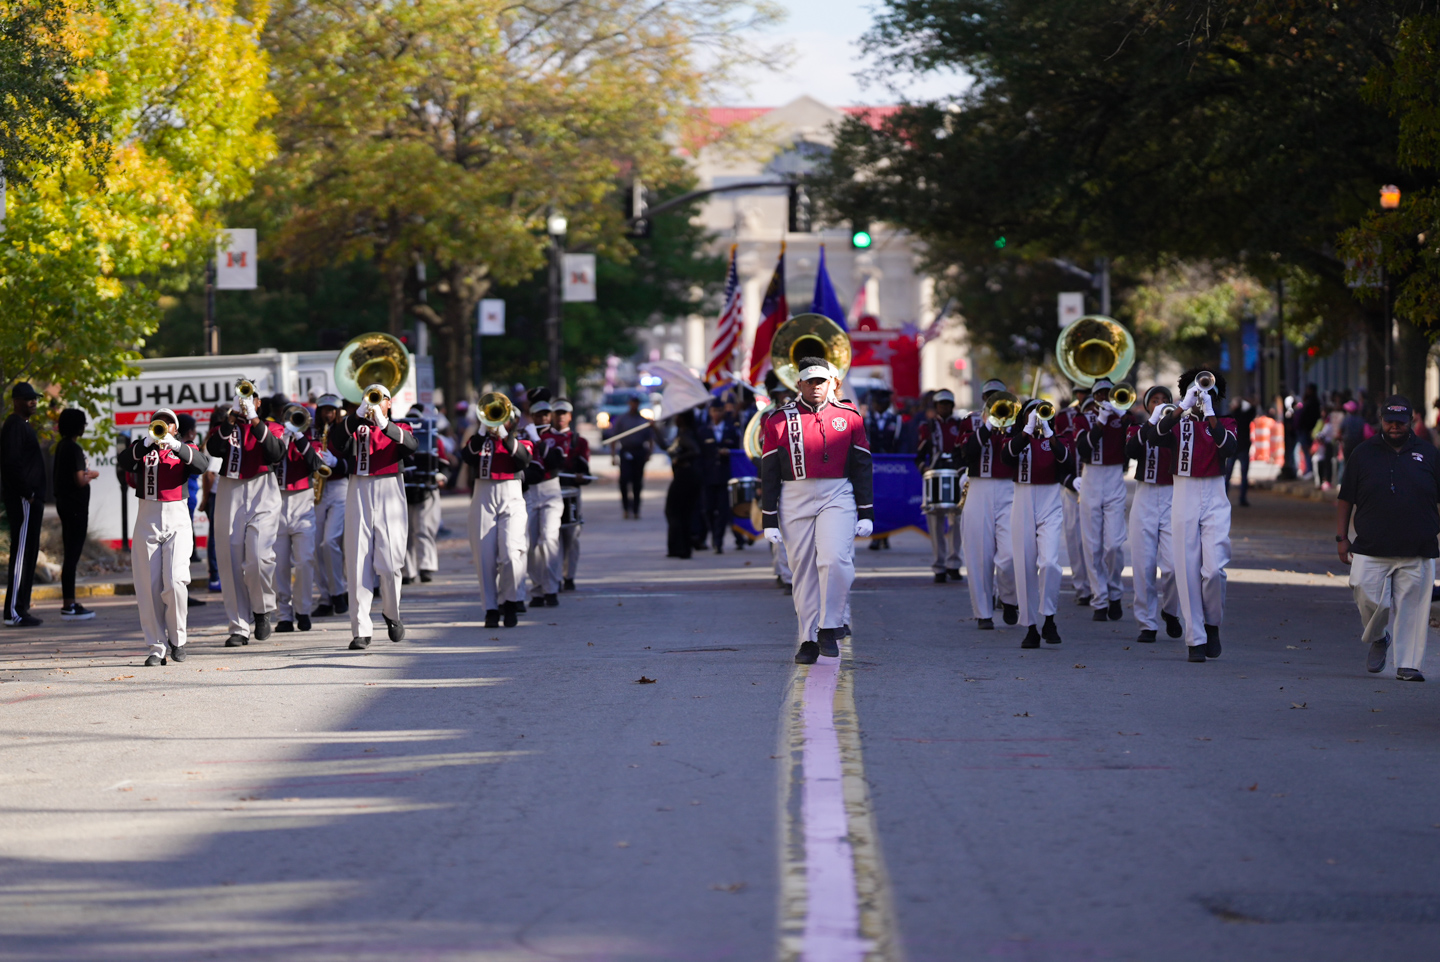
(727, 331)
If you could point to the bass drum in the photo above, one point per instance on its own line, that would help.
(570, 513)
(743, 492)
(942, 490)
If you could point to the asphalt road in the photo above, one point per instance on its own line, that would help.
(517, 795)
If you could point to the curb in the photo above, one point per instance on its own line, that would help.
(103, 590)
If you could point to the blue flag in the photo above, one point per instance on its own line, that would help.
(825, 302)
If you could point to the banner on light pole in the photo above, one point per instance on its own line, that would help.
(491, 317)
(236, 251)
(579, 277)
(1072, 307)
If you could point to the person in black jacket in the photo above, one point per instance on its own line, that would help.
(718, 438)
(685, 486)
(22, 484)
(71, 484)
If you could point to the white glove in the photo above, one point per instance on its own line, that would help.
(501, 433)
(149, 440)
(1192, 395)
(1046, 430)
(247, 407)
(1156, 414)
(363, 411)
(772, 535)
(329, 459)
(1117, 408)
(1078, 479)
(379, 418)
(1031, 422)
(291, 431)
(864, 527)
(171, 441)
(1206, 407)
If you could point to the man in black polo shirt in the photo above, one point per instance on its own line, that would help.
(1392, 484)
(22, 482)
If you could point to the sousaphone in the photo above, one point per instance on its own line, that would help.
(1093, 347)
(373, 358)
(808, 335)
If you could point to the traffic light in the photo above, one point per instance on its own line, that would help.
(636, 203)
(860, 238)
(801, 212)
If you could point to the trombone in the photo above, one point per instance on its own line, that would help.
(495, 411)
(298, 417)
(1045, 411)
(1002, 410)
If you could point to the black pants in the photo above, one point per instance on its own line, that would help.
(210, 538)
(680, 504)
(24, 550)
(716, 501)
(74, 526)
(632, 479)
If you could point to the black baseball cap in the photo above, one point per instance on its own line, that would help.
(1397, 408)
(23, 391)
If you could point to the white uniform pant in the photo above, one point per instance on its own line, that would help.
(420, 551)
(817, 522)
(1075, 543)
(295, 555)
(780, 564)
(330, 538)
(1037, 524)
(989, 552)
(160, 561)
(1102, 524)
(570, 548)
(944, 540)
(247, 518)
(375, 535)
(1200, 520)
(497, 540)
(545, 507)
(1150, 546)
(1393, 594)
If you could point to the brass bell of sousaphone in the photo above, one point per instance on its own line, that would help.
(808, 335)
(1093, 347)
(374, 358)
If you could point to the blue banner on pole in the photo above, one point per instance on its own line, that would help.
(898, 488)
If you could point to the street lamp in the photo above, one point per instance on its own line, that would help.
(556, 225)
(1389, 200)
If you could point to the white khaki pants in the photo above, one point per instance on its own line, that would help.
(247, 519)
(1200, 521)
(295, 555)
(545, 508)
(160, 560)
(780, 564)
(420, 551)
(330, 538)
(1393, 594)
(1075, 543)
(375, 535)
(570, 548)
(944, 540)
(989, 551)
(1037, 524)
(497, 540)
(817, 522)
(1102, 525)
(1150, 547)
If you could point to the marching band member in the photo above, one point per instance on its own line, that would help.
(576, 463)
(1040, 459)
(497, 459)
(940, 442)
(1066, 424)
(988, 547)
(330, 509)
(163, 538)
(423, 480)
(544, 506)
(247, 517)
(375, 516)
(1100, 441)
(295, 539)
(1200, 443)
(1149, 528)
(780, 395)
(884, 427)
(817, 485)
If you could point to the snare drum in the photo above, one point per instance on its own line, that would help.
(570, 513)
(942, 489)
(743, 493)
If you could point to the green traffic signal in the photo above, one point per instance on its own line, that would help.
(861, 239)
(999, 243)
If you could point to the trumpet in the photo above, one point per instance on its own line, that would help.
(299, 417)
(1205, 379)
(1002, 410)
(1168, 410)
(1123, 396)
(374, 396)
(495, 411)
(159, 429)
(245, 388)
(1045, 411)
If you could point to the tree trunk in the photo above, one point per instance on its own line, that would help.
(453, 328)
(395, 283)
(1412, 355)
(1375, 353)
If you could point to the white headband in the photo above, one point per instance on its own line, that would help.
(816, 370)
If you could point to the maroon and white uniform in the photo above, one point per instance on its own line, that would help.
(940, 442)
(330, 518)
(163, 538)
(1065, 423)
(545, 506)
(295, 533)
(1199, 514)
(376, 520)
(576, 463)
(816, 481)
(1150, 532)
(497, 515)
(247, 518)
(985, 522)
(1100, 443)
(1041, 466)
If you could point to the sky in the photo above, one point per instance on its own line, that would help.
(824, 36)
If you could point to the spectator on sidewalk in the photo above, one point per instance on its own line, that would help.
(1392, 486)
(684, 493)
(1307, 415)
(22, 483)
(632, 451)
(1244, 414)
(71, 484)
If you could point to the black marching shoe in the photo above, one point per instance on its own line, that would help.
(985, 624)
(539, 601)
(153, 661)
(1173, 628)
(235, 641)
(1212, 641)
(302, 622)
(427, 576)
(789, 590)
(552, 601)
(569, 584)
(262, 625)
(519, 607)
(1379, 649)
(1010, 613)
(1408, 674)
(324, 611)
(406, 581)
(341, 603)
(1049, 632)
(843, 631)
(953, 574)
(1147, 636)
(1116, 612)
(1082, 601)
(808, 654)
(1195, 653)
(359, 644)
(177, 654)
(395, 628)
(284, 626)
(874, 544)
(492, 618)
(1032, 638)
(1100, 615)
(508, 611)
(829, 646)
(940, 578)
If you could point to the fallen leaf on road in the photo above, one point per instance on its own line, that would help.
(1297, 704)
(1253, 787)
(121, 677)
(1293, 647)
(733, 887)
(657, 743)
(1127, 733)
(642, 680)
(1201, 738)
(1022, 714)
(1377, 709)
(589, 644)
(622, 844)
(1079, 666)
(222, 669)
